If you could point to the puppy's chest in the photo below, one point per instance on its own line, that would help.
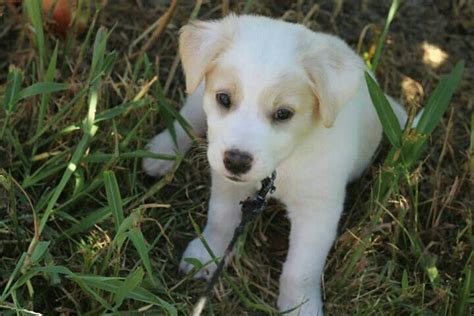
(290, 184)
(301, 178)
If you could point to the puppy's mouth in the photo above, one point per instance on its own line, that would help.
(234, 178)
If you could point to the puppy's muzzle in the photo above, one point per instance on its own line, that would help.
(238, 162)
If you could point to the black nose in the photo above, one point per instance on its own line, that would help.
(237, 161)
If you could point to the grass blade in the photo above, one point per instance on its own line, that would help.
(14, 79)
(42, 88)
(131, 282)
(92, 219)
(48, 78)
(89, 128)
(71, 168)
(53, 270)
(34, 10)
(121, 109)
(114, 198)
(98, 53)
(53, 121)
(138, 240)
(49, 168)
(13, 275)
(98, 157)
(39, 251)
(439, 100)
(113, 285)
(466, 291)
(380, 44)
(471, 151)
(390, 124)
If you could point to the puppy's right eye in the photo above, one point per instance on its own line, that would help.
(223, 99)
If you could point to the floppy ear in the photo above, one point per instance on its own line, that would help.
(200, 43)
(335, 72)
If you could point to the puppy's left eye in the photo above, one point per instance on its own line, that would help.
(223, 99)
(283, 114)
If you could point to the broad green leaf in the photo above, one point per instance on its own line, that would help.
(390, 124)
(439, 100)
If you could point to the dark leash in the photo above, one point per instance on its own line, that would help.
(250, 208)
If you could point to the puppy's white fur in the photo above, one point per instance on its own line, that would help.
(265, 64)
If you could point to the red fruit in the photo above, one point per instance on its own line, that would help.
(58, 15)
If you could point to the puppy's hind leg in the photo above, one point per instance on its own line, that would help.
(163, 143)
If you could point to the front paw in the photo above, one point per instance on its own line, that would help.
(197, 251)
(293, 304)
(160, 144)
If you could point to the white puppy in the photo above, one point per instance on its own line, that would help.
(276, 96)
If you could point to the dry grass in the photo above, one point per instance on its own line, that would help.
(394, 275)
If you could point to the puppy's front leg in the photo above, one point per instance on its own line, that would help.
(162, 143)
(224, 216)
(313, 229)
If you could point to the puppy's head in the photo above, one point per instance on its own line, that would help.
(268, 84)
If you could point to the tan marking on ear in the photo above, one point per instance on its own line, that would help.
(334, 70)
(200, 43)
(326, 111)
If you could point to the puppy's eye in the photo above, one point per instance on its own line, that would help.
(223, 99)
(282, 114)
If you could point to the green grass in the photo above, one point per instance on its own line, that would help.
(84, 231)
